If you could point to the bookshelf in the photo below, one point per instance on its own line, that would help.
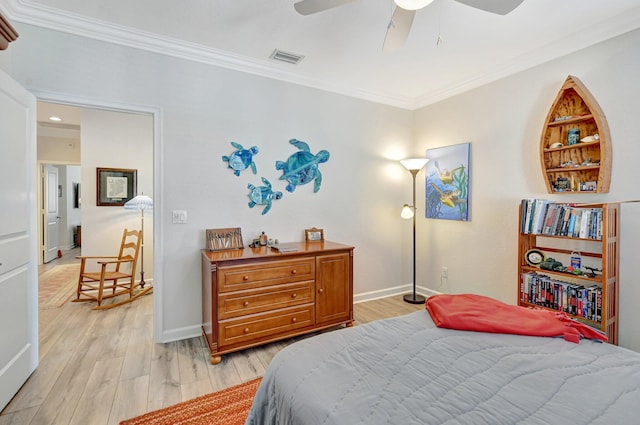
(548, 253)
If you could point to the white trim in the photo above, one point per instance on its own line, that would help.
(181, 333)
(391, 292)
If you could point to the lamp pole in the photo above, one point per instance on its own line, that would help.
(413, 165)
(414, 298)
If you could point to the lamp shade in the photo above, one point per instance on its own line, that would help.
(413, 4)
(413, 164)
(407, 212)
(140, 202)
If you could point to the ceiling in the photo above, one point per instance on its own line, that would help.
(342, 47)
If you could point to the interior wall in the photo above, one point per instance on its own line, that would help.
(503, 121)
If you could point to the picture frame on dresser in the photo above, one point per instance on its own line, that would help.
(224, 239)
(314, 235)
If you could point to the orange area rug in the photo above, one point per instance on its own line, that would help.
(227, 407)
(58, 285)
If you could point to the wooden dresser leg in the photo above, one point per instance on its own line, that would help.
(349, 324)
(215, 359)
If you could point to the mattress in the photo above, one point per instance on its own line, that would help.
(405, 370)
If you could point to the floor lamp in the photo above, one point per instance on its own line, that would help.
(140, 203)
(414, 165)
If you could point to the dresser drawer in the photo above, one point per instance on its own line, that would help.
(262, 325)
(242, 303)
(256, 275)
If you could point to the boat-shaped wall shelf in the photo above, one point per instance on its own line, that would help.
(575, 146)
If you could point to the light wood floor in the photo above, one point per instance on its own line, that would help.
(101, 367)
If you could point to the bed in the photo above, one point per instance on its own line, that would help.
(405, 370)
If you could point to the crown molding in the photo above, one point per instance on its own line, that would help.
(42, 16)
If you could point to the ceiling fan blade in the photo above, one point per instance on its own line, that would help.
(500, 7)
(307, 7)
(398, 29)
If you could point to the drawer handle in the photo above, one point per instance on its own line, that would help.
(294, 295)
(294, 271)
(245, 277)
(246, 303)
(246, 330)
(320, 290)
(294, 320)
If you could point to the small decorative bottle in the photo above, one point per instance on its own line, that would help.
(263, 239)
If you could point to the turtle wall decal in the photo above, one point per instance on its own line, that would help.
(302, 167)
(262, 195)
(241, 159)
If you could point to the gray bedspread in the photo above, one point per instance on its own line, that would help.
(407, 371)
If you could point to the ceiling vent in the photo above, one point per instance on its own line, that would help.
(279, 55)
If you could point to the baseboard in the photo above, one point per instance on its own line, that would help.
(181, 333)
(391, 292)
(195, 331)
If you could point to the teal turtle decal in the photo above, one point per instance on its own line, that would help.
(302, 166)
(241, 159)
(262, 195)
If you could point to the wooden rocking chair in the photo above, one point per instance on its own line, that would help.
(116, 275)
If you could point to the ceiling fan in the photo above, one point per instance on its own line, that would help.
(402, 18)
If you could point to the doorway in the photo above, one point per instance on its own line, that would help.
(80, 140)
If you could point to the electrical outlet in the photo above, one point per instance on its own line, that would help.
(445, 272)
(179, 217)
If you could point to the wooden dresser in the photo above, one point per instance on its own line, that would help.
(253, 296)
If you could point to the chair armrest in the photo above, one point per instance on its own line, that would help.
(116, 261)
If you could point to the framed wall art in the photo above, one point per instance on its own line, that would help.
(447, 182)
(115, 186)
(313, 235)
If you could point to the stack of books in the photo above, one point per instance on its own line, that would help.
(544, 217)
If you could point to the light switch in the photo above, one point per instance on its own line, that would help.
(179, 217)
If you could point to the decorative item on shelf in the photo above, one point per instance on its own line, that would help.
(241, 159)
(264, 239)
(413, 165)
(576, 260)
(223, 239)
(534, 257)
(140, 203)
(313, 235)
(263, 195)
(573, 136)
(302, 166)
(590, 139)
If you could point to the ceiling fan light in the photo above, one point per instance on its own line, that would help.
(412, 4)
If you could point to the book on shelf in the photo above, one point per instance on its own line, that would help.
(571, 298)
(548, 218)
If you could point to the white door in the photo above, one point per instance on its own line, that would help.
(18, 241)
(51, 214)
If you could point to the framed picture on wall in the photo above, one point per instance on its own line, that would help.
(447, 182)
(115, 186)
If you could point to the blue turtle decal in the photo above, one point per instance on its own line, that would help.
(302, 166)
(262, 195)
(241, 159)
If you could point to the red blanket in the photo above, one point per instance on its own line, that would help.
(482, 314)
